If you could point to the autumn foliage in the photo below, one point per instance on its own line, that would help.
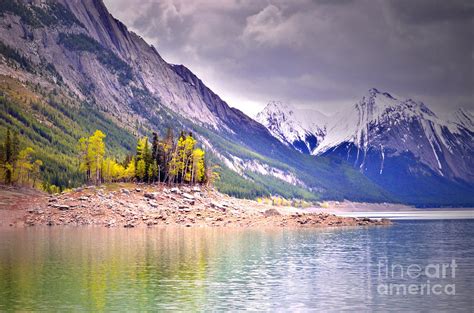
(162, 160)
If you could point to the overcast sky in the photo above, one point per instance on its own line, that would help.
(322, 54)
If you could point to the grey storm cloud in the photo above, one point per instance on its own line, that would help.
(315, 53)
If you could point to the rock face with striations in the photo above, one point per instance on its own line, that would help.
(91, 75)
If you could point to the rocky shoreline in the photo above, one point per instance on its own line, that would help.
(135, 205)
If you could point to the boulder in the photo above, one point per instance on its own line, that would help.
(151, 195)
(218, 206)
(151, 223)
(215, 205)
(188, 196)
(190, 201)
(271, 212)
(111, 223)
(184, 208)
(62, 207)
(175, 190)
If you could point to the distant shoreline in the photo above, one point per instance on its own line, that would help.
(415, 215)
(349, 206)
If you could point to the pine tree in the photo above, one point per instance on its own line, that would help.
(141, 170)
(10, 156)
(7, 168)
(152, 172)
(148, 160)
(143, 154)
(155, 147)
(166, 154)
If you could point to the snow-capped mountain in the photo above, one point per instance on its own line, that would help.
(301, 128)
(392, 126)
(382, 126)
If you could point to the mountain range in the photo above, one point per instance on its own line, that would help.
(67, 67)
(399, 143)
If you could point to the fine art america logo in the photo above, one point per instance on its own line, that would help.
(433, 279)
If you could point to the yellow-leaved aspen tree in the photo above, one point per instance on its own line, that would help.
(96, 152)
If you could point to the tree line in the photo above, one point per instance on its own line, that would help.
(166, 160)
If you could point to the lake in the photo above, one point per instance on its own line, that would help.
(95, 269)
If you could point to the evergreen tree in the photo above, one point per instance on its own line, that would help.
(144, 157)
(7, 167)
(153, 172)
(155, 147)
(166, 154)
(9, 156)
(141, 170)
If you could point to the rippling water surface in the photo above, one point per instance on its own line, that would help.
(197, 269)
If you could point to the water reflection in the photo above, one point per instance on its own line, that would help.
(195, 269)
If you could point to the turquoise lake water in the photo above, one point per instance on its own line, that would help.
(358, 269)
